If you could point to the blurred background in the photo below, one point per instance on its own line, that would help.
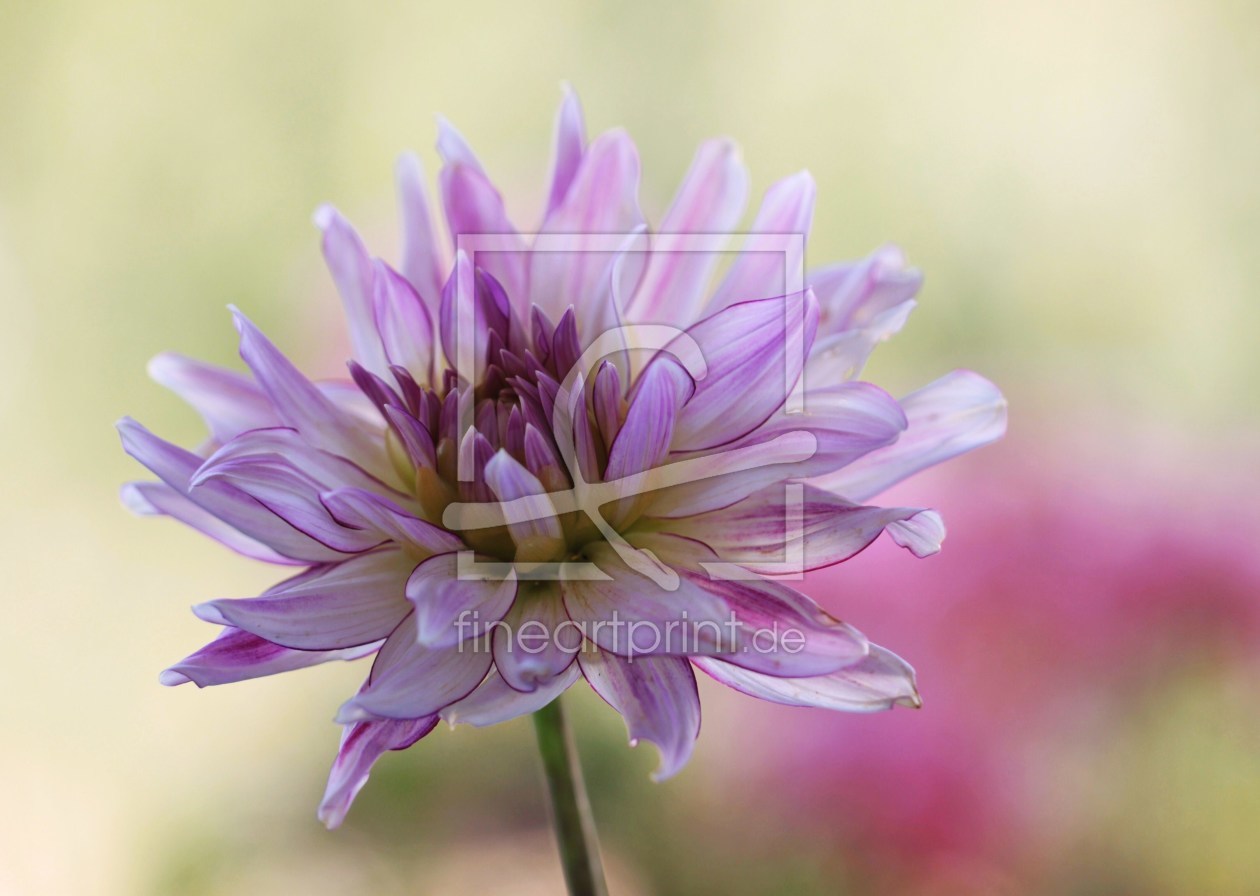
(1078, 181)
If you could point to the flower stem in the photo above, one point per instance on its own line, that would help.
(570, 809)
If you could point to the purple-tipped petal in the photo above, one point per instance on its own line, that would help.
(366, 510)
(710, 200)
(656, 696)
(495, 701)
(158, 498)
(351, 268)
(569, 144)
(754, 353)
(959, 412)
(228, 401)
(349, 604)
(422, 257)
(788, 209)
(450, 610)
(362, 743)
(239, 656)
(880, 680)
(176, 467)
(302, 406)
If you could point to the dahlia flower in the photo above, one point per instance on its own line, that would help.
(562, 456)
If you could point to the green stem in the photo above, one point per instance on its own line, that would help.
(570, 809)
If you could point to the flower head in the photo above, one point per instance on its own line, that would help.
(562, 455)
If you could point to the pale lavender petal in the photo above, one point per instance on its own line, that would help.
(422, 257)
(410, 680)
(841, 356)
(645, 436)
(362, 743)
(366, 510)
(788, 209)
(537, 641)
(754, 353)
(404, 325)
(351, 268)
(473, 206)
(495, 701)
(852, 294)
(301, 405)
(710, 200)
(229, 402)
(239, 656)
(176, 467)
(349, 604)
(570, 143)
(656, 696)
(602, 199)
(454, 149)
(957, 413)
(158, 498)
(880, 680)
(449, 609)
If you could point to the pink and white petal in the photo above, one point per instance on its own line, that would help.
(422, 256)
(158, 498)
(410, 680)
(569, 145)
(537, 641)
(710, 200)
(754, 353)
(450, 610)
(348, 604)
(879, 681)
(959, 412)
(360, 508)
(788, 208)
(229, 402)
(601, 200)
(920, 534)
(362, 743)
(351, 268)
(852, 294)
(304, 407)
(176, 467)
(841, 356)
(496, 701)
(236, 655)
(656, 696)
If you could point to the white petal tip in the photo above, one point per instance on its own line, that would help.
(324, 216)
(209, 612)
(170, 678)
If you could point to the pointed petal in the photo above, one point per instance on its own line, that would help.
(406, 330)
(645, 437)
(788, 208)
(349, 604)
(229, 402)
(473, 206)
(238, 656)
(362, 743)
(957, 413)
(536, 531)
(422, 257)
(537, 641)
(656, 696)
(711, 200)
(351, 270)
(366, 510)
(570, 143)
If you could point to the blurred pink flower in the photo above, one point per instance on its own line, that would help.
(498, 416)
(1076, 579)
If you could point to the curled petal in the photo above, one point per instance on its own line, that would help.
(228, 401)
(449, 609)
(495, 701)
(656, 696)
(537, 641)
(880, 680)
(367, 510)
